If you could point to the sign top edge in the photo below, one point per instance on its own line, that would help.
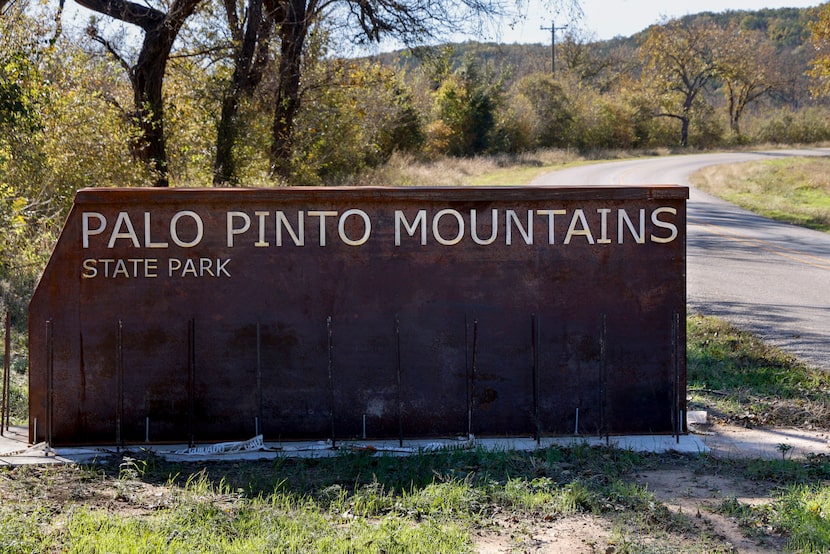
(471, 193)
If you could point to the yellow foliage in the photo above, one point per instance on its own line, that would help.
(820, 39)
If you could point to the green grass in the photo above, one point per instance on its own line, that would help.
(274, 524)
(738, 377)
(793, 190)
(18, 378)
(351, 503)
(803, 513)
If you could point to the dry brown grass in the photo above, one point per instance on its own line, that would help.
(793, 190)
(406, 170)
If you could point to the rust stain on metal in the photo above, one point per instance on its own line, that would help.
(204, 315)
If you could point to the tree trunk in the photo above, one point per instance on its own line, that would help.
(685, 118)
(292, 31)
(734, 110)
(684, 132)
(245, 78)
(147, 76)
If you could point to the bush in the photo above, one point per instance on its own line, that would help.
(787, 126)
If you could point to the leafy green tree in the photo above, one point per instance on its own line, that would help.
(547, 109)
(412, 22)
(51, 96)
(404, 131)
(251, 34)
(147, 74)
(466, 103)
(353, 117)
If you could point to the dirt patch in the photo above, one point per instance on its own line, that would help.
(700, 496)
(683, 490)
(579, 534)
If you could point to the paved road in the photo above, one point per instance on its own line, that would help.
(769, 278)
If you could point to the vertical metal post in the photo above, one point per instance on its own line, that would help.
(467, 368)
(677, 413)
(119, 378)
(534, 336)
(602, 373)
(472, 387)
(331, 379)
(5, 408)
(50, 390)
(400, 386)
(258, 425)
(191, 380)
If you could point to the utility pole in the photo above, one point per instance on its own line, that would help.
(553, 28)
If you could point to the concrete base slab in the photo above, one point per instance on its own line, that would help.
(15, 451)
(715, 440)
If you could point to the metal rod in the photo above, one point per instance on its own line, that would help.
(256, 426)
(119, 378)
(331, 380)
(467, 371)
(400, 387)
(147, 429)
(5, 408)
(576, 423)
(602, 373)
(364, 427)
(191, 379)
(34, 437)
(471, 407)
(259, 375)
(674, 402)
(534, 334)
(675, 377)
(50, 392)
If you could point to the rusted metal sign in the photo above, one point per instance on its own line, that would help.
(203, 315)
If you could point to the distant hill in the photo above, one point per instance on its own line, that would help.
(786, 27)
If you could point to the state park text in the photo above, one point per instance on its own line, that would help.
(124, 231)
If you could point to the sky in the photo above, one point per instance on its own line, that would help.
(605, 19)
(600, 20)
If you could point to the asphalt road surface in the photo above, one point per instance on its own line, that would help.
(769, 278)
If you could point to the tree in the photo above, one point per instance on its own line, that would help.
(747, 70)
(411, 22)
(251, 41)
(820, 39)
(466, 103)
(581, 57)
(679, 63)
(147, 74)
(546, 109)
